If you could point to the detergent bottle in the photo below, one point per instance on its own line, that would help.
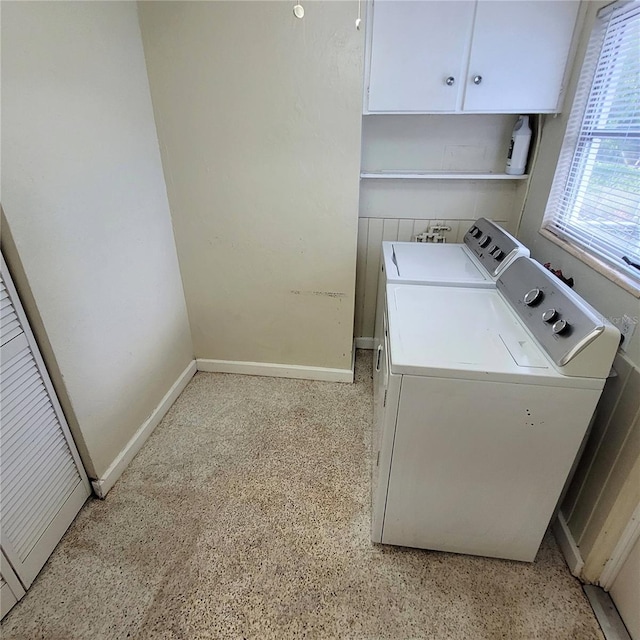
(519, 147)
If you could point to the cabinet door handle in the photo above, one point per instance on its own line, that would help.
(378, 358)
(477, 79)
(450, 81)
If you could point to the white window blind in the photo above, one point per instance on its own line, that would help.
(595, 198)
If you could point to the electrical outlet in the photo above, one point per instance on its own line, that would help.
(627, 326)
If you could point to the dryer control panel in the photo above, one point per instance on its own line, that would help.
(493, 246)
(560, 320)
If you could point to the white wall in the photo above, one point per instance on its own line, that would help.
(433, 142)
(89, 237)
(438, 143)
(400, 209)
(259, 121)
(610, 299)
(605, 489)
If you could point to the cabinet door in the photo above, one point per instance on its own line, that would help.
(519, 50)
(42, 480)
(415, 47)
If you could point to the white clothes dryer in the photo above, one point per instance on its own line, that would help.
(487, 249)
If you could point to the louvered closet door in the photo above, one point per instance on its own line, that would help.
(9, 323)
(10, 588)
(43, 482)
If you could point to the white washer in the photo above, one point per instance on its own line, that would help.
(483, 398)
(477, 262)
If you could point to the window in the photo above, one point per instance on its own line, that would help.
(594, 203)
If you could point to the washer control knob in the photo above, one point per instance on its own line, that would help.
(485, 241)
(498, 254)
(549, 315)
(533, 297)
(475, 232)
(560, 327)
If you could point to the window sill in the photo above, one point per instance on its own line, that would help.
(621, 279)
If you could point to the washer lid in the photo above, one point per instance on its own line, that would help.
(449, 264)
(460, 332)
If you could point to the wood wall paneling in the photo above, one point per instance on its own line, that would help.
(602, 467)
(608, 401)
(605, 489)
(361, 270)
(374, 243)
(613, 527)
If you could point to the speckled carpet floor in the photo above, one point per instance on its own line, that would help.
(246, 515)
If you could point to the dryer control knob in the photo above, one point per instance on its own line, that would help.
(560, 327)
(485, 241)
(533, 297)
(549, 315)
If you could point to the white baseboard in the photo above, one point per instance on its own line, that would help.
(275, 370)
(568, 545)
(364, 343)
(102, 485)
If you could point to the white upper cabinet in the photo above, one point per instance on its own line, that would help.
(417, 54)
(484, 56)
(519, 50)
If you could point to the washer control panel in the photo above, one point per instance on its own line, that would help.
(561, 321)
(492, 245)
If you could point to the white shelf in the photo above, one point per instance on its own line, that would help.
(437, 175)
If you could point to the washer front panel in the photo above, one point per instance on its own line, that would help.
(478, 467)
